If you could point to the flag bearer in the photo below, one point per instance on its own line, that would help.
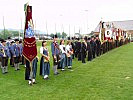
(28, 76)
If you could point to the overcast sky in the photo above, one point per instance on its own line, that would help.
(65, 14)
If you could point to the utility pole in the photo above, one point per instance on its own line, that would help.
(47, 29)
(74, 30)
(69, 30)
(87, 20)
(4, 26)
(20, 29)
(55, 28)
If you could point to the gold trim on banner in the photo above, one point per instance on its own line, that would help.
(28, 42)
(27, 58)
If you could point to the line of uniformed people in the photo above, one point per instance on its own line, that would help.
(62, 58)
(10, 50)
(62, 54)
(91, 48)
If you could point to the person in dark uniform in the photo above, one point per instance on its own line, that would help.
(89, 49)
(78, 49)
(30, 75)
(98, 47)
(84, 49)
(102, 48)
(16, 54)
(111, 44)
(93, 46)
(56, 54)
(8, 42)
(107, 45)
(73, 47)
(4, 54)
(21, 50)
(12, 59)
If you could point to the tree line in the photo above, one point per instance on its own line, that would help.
(4, 34)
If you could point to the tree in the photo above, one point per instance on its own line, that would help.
(59, 35)
(64, 35)
(52, 35)
(14, 33)
(6, 33)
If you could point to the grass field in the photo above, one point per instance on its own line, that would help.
(109, 77)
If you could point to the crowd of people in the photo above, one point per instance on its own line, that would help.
(84, 49)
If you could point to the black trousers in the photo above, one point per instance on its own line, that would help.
(12, 60)
(57, 61)
(79, 56)
(98, 52)
(93, 54)
(23, 60)
(76, 54)
(16, 59)
(4, 61)
(83, 56)
(89, 55)
(72, 56)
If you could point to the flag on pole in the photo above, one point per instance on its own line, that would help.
(30, 49)
(25, 6)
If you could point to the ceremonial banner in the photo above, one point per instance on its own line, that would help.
(108, 33)
(29, 50)
(103, 34)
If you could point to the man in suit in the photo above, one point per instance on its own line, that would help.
(84, 49)
(73, 47)
(78, 45)
(89, 49)
(98, 46)
(76, 51)
(93, 46)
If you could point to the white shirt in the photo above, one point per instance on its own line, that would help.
(41, 50)
(68, 47)
(61, 48)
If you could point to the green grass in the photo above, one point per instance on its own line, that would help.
(109, 77)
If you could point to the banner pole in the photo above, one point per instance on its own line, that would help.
(31, 72)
